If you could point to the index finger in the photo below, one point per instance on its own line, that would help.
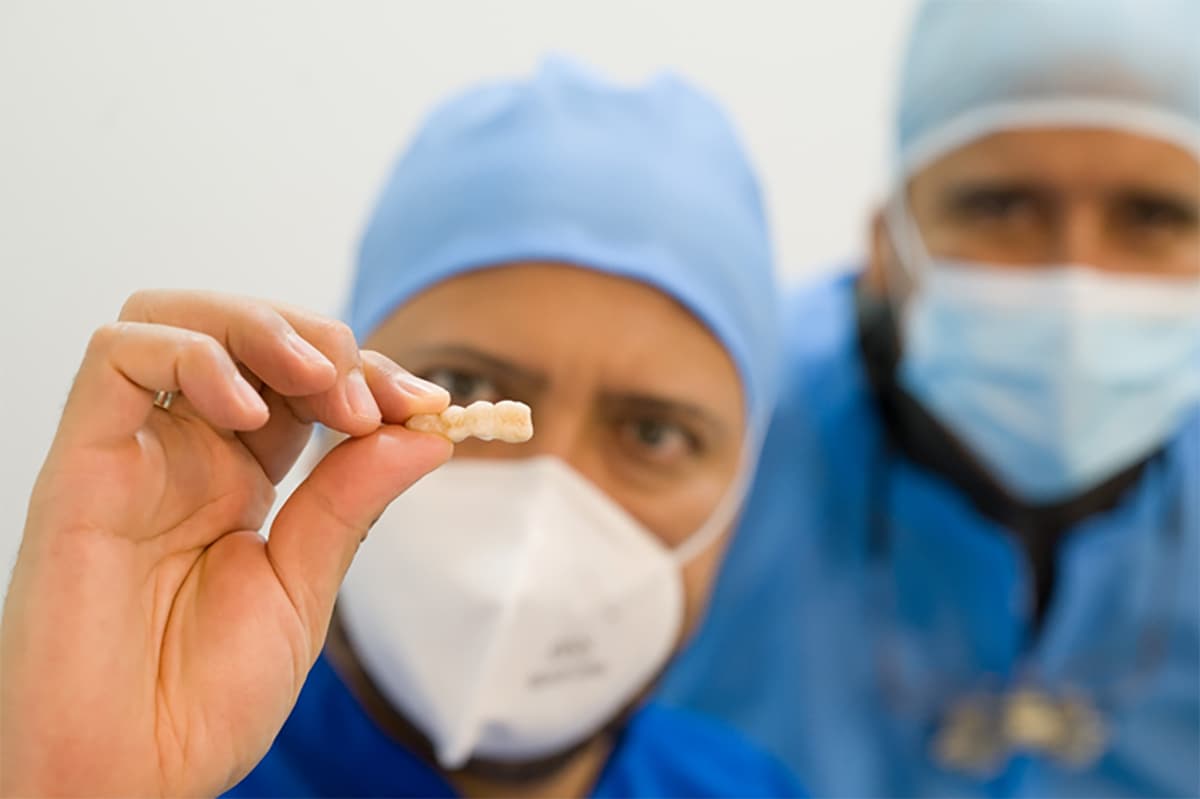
(398, 393)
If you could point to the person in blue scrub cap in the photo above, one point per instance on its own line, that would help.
(969, 566)
(600, 253)
(596, 251)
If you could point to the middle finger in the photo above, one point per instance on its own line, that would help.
(296, 353)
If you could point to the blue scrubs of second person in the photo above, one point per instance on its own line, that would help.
(864, 595)
(871, 591)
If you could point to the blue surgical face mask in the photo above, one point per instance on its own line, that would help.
(1055, 377)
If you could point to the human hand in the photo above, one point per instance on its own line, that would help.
(152, 641)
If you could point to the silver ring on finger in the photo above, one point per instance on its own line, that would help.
(163, 399)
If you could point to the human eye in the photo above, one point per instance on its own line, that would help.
(658, 442)
(1149, 213)
(997, 205)
(465, 386)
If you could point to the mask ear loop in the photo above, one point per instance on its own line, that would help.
(912, 256)
(730, 504)
(913, 261)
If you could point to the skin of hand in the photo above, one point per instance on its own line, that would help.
(153, 643)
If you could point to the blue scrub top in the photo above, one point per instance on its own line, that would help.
(330, 747)
(843, 656)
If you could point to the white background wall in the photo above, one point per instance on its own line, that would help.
(237, 146)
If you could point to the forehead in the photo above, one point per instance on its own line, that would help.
(1070, 158)
(573, 323)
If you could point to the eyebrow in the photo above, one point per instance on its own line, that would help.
(486, 360)
(965, 190)
(662, 406)
(962, 191)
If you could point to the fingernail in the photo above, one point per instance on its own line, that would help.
(418, 387)
(362, 402)
(305, 350)
(250, 398)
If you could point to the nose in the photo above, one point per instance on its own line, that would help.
(565, 431)
(557, 431)
(1082, 238)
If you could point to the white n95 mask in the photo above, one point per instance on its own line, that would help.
(510, 609)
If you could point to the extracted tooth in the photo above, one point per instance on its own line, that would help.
(454, 423)
(507, 420)
(479, 419)
(426, 423)
(513, 421)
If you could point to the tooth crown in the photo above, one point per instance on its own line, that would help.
(506, 420)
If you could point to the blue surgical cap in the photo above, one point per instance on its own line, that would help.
(975, 67)
(648, 183)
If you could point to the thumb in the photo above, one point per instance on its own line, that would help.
(319, 528)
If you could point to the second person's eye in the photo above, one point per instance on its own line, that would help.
(1147, 214)
(464, 386)
(998, 205)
